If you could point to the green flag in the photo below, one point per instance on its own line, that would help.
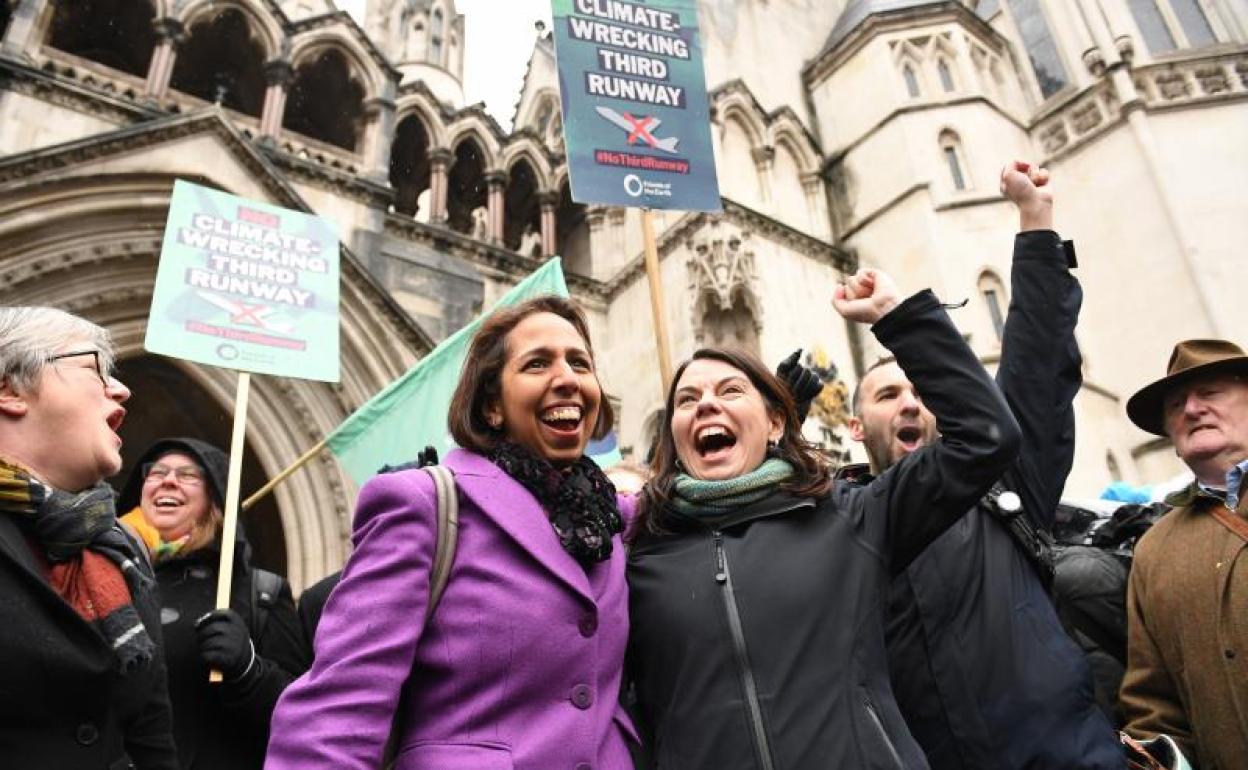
(411, 412)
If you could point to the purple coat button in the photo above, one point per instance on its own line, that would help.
(582, 696)
(588, 625)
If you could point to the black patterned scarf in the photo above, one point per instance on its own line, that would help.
(93, 565)
(580, 499)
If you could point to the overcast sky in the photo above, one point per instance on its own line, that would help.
(500, 39)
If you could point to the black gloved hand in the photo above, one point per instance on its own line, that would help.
(427, 456)
(225, 644)
(804, 385)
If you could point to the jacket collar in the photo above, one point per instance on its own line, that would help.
(506, 502)
(772, 505)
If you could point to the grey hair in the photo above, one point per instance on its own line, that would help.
(29, 335)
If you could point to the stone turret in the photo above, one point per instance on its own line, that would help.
(424, 39)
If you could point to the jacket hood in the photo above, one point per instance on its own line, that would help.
(214, 462)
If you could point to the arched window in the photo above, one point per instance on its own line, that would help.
(946, 77)
(992, 290)
(522, 213)
(912, 81)
(409, 166)
(1041, 47)
(1170, 24)
(115, 33)
(435, 37)
(951, 151)
(222, 61)
(466, 188)
(326, 102)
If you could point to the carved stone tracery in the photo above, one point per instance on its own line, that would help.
(722, 275)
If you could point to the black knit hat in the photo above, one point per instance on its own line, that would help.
(216, 465)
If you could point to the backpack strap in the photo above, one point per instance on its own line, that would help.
(448, 533)
(265, 588)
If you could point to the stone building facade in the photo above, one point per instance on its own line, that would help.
(864, 132)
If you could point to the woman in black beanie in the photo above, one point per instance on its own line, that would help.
(175, 498)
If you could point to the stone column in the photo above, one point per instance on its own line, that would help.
(764, 157)
(497, 182)
(817, 205)
(549, 202)
(170, 35)
(21, 32)
(440, 160)
(378, 134)
(277, 75)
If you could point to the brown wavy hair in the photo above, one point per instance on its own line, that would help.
(481, 381)
(812, 475)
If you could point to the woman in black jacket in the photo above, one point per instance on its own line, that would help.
(757, 584)
(176, 492)
(82, 679)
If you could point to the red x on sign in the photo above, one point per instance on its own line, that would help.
(249, 314)
(641, 129)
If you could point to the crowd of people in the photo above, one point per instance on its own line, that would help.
(738, 604)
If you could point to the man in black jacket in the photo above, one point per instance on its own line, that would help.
(983, 671)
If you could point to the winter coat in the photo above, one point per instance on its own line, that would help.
(985, 675)
(1187, 634)
(519, 667)
(62, 703)
(224, 726)
(758, 638)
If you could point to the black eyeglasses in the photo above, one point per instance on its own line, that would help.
(95, 356)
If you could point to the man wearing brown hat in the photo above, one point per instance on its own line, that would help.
(1187, 597)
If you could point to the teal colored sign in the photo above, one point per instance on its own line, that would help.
(636, 120)
(247, 286)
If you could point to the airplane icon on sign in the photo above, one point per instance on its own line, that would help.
(639, 129)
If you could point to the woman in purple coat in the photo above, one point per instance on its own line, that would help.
(520, 665)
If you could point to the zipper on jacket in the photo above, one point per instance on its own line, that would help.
(724, 578)
(879, 726)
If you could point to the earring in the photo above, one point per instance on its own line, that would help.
(773, 448)
(496, 422)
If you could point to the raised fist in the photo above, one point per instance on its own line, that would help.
(866, 296)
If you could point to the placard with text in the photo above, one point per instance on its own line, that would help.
(636, 118)
(246, 285)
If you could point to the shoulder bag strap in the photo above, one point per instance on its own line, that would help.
(1231, 520)
(448, 537)
(448, 533)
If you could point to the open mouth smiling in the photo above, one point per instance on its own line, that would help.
(564, 418)
(714, 439)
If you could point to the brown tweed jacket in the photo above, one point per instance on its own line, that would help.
(1187, 655)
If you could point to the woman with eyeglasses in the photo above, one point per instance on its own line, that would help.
(82, 675)
(175, 497)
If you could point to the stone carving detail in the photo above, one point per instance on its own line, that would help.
(1242, 70)
(1086, 117)
(722, 274)
(1173, 85)
(1054, 137)
(1213, 80)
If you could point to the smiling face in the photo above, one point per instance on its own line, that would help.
(720, 422)
(1208, 422)
(891, 421)
(175, 495)
(550, 393)
(71, 419)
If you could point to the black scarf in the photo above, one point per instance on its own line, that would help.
(93, 565)
(580, 499)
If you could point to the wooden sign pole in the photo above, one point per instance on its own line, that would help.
(656, 299)
(230, 528)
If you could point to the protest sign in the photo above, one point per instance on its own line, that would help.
(636, 118)
(247, 286)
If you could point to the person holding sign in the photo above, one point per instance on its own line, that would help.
(82, 674)
(520, 665)
(757, 583)
(175, 497)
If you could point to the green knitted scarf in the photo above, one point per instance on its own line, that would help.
(696, 497)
